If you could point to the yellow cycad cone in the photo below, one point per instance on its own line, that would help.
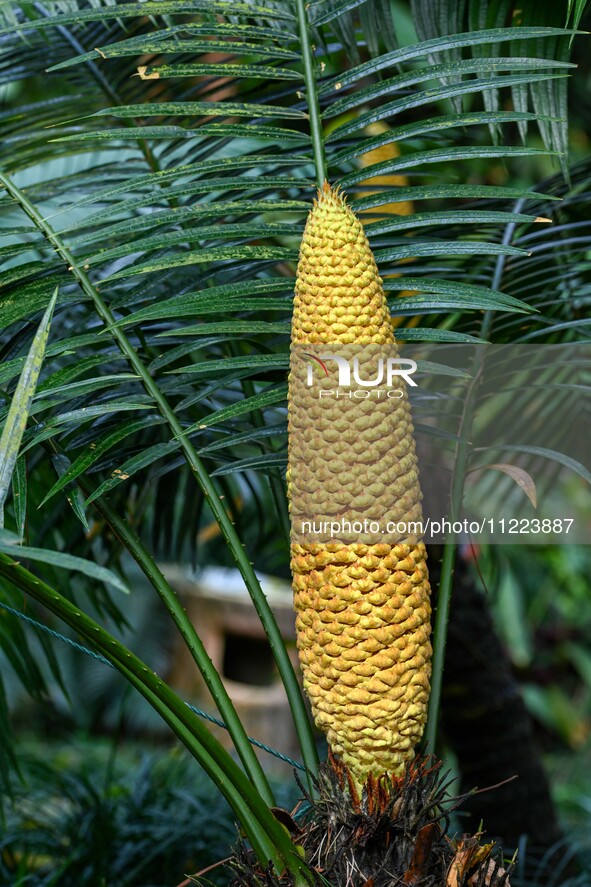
(362, 610)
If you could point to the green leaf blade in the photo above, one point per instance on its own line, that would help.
(18, 412)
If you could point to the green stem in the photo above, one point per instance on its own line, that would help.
(439, 643)
(281, 656)
(461, 462)
(194, 643)
(312, 94)
(449, 559)
(268, 837)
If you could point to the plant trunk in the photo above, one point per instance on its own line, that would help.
(485, 721)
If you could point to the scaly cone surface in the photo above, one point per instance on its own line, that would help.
(362, 610)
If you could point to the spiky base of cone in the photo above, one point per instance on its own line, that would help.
(395, 833)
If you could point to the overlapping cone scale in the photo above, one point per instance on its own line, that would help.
(338, 295)
(362, 610)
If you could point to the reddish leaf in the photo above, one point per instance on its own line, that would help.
(420, 858)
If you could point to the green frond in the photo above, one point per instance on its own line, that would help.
(442, 16)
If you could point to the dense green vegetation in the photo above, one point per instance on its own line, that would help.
(157, 164)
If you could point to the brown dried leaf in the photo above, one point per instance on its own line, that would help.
(286, 820)
(521, 478)
(420, 858)
(470, 854)
(153, 75)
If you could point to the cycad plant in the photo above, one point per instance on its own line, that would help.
(158, 163)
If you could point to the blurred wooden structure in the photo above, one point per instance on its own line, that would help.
(221, 610)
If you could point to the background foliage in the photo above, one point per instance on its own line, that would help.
(158, 162)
